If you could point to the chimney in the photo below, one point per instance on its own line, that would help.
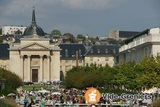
(76, 58)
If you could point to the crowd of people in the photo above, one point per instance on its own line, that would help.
(43, 98)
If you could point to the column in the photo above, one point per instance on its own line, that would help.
(49, 73)
(41, 75)
(22, 67)
(29, 67)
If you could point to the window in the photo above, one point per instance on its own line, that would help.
(150, 51)
(80, 52)
(73, 55)
(99, 59)
(91, 58)
(91, 50)
(67, 68)
(66, 53)
(114, 51)
(80, 61)
(60, 68)
(145, 51)
(106, 59)
(98, 50)
(106, 50)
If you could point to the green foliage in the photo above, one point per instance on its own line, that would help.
(80, 36)
(56, 32)
(12, 82)
(70, 37)
(1, 40)
(1, 31)
(88, 76)
(131, 75)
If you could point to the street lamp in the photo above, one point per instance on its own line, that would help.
(2, 83)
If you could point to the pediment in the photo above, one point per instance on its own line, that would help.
(35, 46)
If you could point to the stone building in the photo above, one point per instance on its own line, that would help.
(146, 43)
(37, 57)
(34, 58)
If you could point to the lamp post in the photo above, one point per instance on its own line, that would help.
(2, 83)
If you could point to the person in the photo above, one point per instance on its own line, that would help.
(25, 102)
(31, 103)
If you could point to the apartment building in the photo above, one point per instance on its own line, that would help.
(146, 43)
(12, 29)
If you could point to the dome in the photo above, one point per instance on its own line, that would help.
(30, 30)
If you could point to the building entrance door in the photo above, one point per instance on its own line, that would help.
(34, 75)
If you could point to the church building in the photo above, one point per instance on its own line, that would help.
(33, 57)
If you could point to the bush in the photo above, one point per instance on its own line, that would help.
(13, 81)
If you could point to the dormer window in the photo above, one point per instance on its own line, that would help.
(106, 50)
(80, 52)
(98, 50)
(91, 50)
(114, 51)
(66, 53)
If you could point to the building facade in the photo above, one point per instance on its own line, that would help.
(37, 57)
(33, 58)
(101, 55)
(146, 43)
(12, 29)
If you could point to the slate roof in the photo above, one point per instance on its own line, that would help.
(127, 34)
(135, 36)
(71, 49)
(103, 50)
(30, 30)
(4, 52)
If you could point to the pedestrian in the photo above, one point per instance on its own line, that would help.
(31, 103)
(25, 102)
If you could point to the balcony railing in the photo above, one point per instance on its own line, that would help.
(140, 40)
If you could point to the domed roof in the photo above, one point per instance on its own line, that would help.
(33, 28)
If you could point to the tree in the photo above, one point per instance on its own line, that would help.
(56, 32)
(1, 31)
(70, 37)
(89, 76)
(10, 85)
(80, 36)
(1, 40)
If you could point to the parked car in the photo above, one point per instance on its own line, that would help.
(57, 82)
(28, 83)
(48, 82)
(42, 83)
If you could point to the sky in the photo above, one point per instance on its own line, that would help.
(86, 17)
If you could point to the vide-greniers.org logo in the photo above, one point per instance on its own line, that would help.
(126, 96)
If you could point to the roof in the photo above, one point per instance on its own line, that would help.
(4, 52)
(100, 50)
(69, 50)
(127, 34)
(33, 28)
(135, 36)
